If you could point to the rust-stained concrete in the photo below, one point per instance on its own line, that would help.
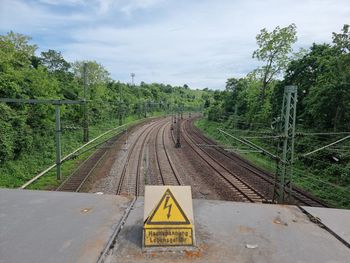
(239, 232)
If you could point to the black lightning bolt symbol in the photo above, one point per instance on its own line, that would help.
(167, 206)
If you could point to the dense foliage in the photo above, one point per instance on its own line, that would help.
(322, 76)
(321, 73)
(26, 75)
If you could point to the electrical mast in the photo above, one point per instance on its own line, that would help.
(285, 147)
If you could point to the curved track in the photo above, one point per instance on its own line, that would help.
(76, 180)
(256, 177)
(149, 161)
(132, 178)
(166, 167)
(238, 186)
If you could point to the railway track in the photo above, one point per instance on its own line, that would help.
(132, 177)
(239, 187)
(129, 181)
(258, 178)
(166, 167)
(240, 180)
(79, 176)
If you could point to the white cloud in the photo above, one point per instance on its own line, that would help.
(133, 5)
(125, 6)
(24, 17)
(105, 5)
(62, 2)
(200, 43)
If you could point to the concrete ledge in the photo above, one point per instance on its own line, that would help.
(40, 226)
(240, 232)
(338, 220)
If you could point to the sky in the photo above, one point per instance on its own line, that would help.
(200, 43)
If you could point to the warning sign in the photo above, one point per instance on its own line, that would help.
(168, 212)
(167, 223)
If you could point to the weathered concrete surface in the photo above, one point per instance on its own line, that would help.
(338, 220)
(239, 232)
(40, 226)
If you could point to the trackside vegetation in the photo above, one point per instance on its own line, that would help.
(248, 108)
(27, 132)
(249, 105)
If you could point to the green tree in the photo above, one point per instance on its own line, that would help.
(59, 68)
(323, 81)
(274, 51)
(97, 81)
(96, 73)
(54, 61)
(23, 128)
(342, 40)
(15, 48)
(19, 79)
(304, 72)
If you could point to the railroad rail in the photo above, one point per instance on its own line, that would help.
(239, 187)
(243, 180)
(76, 180)
(134, 161)
(165, 166)
(136, 185)
(133, 183)
(258, 177)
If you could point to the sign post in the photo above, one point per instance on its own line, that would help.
(168, 217)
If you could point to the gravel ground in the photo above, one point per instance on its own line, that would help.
(191, 169)
(106, 176)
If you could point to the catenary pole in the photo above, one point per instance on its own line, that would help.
(58, 142)
(86, 121)
(58, 132)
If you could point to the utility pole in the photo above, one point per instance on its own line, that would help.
(120, 105)
(172, 117)
(181, 110)
(285, 146)
(85, 121)
(178, 143)
(132, 79)
(58, 142)
(140, 107)
(57, 104)
(235, 117)
(150, 107)
(145, 109)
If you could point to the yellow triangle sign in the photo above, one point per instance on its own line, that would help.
(168, 212)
